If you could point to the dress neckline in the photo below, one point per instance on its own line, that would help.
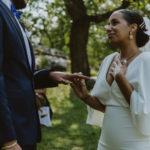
(130, 64)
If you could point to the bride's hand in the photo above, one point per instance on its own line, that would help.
(118, 68)
(79, 87)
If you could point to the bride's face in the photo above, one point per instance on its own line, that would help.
(20, 4)
(118, 29)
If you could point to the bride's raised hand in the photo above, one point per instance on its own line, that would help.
(118, 67)
(80, 89)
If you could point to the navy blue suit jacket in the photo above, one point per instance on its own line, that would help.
(18, 112)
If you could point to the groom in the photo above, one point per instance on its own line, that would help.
(19, 123)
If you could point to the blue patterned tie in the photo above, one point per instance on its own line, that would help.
(15, 12)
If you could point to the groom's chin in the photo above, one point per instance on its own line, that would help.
(20, 4)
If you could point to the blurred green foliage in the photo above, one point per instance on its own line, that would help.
(50, 24)
(69, 130)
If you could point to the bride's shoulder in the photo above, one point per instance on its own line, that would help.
(145, 57)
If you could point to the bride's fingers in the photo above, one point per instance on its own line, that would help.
(111, 73)
(76, 81)
(83, 85)
(80, 84)
(115, 63)
(76, 90)
(118, 61)
(74, 87)
(112, 68)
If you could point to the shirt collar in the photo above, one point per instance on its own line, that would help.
(7, 3)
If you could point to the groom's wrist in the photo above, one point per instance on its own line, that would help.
(10, 146)
(9, 143)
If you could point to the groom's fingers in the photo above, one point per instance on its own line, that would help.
(80, 76)
(63, 81)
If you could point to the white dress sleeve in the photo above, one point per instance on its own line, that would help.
(95, 117)
(140, 97)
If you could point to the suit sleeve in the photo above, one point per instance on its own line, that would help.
(43, 80)
(7, 131)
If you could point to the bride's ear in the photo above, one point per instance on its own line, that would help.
(134, 27)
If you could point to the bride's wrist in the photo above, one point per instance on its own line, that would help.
(85, 98)
(118, 75)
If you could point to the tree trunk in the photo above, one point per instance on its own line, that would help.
(78, 42)
(79, 32)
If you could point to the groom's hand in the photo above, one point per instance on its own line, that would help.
(66, 78)
(11, 145)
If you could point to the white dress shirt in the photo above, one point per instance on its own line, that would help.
(8, 4)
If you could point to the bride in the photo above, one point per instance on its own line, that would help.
(122, 89)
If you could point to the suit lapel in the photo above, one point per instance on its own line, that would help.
(33, 58)
(12, 18)
(32, 54)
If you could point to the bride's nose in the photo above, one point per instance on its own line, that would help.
(108, 28)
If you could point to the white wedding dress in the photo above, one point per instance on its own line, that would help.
(124, 127)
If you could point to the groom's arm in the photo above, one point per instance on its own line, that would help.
(42, 79)
(48, 78)
(7, 131)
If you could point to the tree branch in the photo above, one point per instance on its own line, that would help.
(76, 9)
(102, 17)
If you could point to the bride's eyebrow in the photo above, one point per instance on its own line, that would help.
(114, 20)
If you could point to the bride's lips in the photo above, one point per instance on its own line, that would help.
(110, 35)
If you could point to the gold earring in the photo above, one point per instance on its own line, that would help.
(130, 36)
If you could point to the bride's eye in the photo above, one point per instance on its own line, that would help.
(114, 22)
